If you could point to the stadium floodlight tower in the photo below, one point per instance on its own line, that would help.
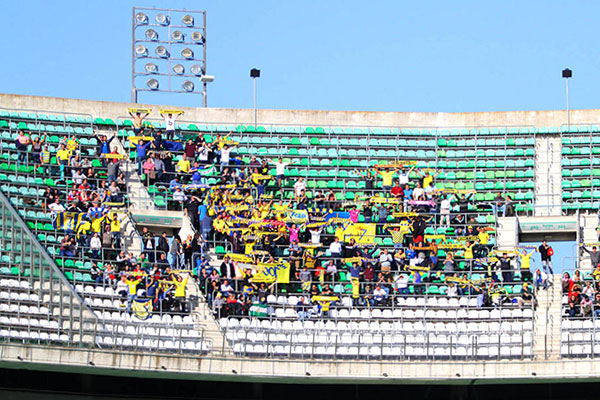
(567, 73)
(168, 52)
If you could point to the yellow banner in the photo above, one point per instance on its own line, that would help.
(239, 258)
(260, 177)
(417, 268)
(271, 272)
(398, 164)
(139, 110)
(435, 237)
(507, 252)
(404, 214)
(486, 260)
(110, 155)
(296, 216)
(352, 260)
(361, 233)
(465, 238)
(135, 139)
(171, 112)
(316, 224)
(383, 200)
(241, 207)
(309, 245)
(450, 246)
(324, 298)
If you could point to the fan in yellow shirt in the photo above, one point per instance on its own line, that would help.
(183, 165)
(387, 178)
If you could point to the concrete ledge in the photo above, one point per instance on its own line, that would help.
(104, 362)
(106, 109)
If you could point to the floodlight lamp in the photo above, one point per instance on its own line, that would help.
(178, 69)
(255, 73)
(177, 36)
(141, 50)
(207, 78)
(197, 36)
(141, 18)
(151, 34)
(187, 20)
(162, 52)
(188, 86)
(196, 69)
(161, 19)
(151, 68)
(567, 73)
(187, 53)
(152, 84)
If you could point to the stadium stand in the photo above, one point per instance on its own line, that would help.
(311, 242)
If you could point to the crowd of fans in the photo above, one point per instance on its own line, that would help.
(583, 296)
(248, 210)
(89, 202)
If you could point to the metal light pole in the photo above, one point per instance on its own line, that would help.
(254, 73)
(567, 73)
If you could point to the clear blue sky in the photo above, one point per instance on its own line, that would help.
(469, 55)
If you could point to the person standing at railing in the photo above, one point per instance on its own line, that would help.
(141, 153)
(225, 153)
(45, 158)
(369, 181)
(174, 252)
(115, 230)
(62, 159)
(594, 255)
(386, 179)
(506, 269)
(427, 179)
(36, 149)
(22, 144)
(445, 205)
(159, 168)
(183, 168)
(132, 283)
(138, 119)
(279, 170)
(103, 147)
(170, 124)
(546, 253)
(148, 243)
(180, 291)
(95, 245)
(206, 227)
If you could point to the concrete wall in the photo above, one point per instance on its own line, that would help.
(314, 118)
(119, 363)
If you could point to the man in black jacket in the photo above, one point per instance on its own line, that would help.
(546, 258)
(163, 244)
(227, 269)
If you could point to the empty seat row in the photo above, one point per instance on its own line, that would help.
(154, 344)
(373, 326)
(23, 309)
(375, 352)
(368, 338)
(34, 335)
